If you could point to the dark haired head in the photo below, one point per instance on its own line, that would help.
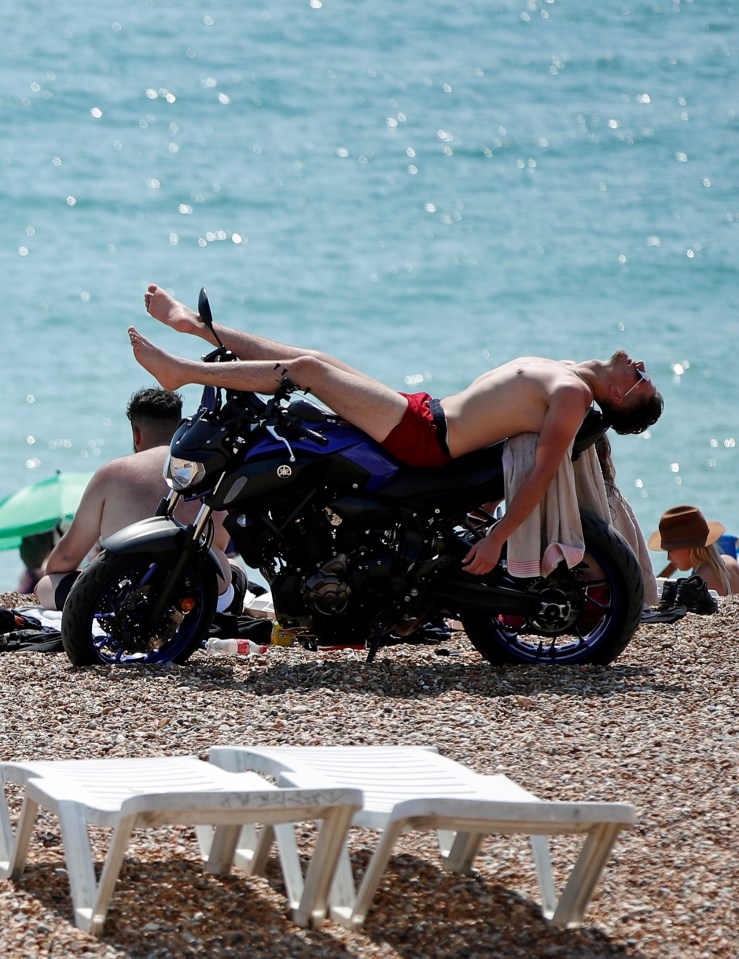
(637, 418)
(155, 405)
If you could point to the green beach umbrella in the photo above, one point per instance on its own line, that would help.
(40, 506)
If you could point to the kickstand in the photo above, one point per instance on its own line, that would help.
(375, 643)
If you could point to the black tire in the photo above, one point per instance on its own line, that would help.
(609, 595)
(102, 616)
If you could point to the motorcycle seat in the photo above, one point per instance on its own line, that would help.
(476, 470)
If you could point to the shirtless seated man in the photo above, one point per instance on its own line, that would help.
(125, 490)
(526, 395)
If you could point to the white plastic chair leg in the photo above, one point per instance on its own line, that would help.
(252, 852)
(24, 831)
(463, 852)
(108, 877)
(78, 856)
(373, 874)
(292, 870)
(543, 862)
(222, 850)
(343, 890)
(314, 904)
(447, 838)
(6, 835)
(585, 875)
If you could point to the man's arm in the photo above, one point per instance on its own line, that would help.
(84, 531)
(561, 422)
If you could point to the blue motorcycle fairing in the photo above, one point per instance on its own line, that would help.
(342, 438)
(157, 534)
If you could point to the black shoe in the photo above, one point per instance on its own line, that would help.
(693, 594)
(668, 600)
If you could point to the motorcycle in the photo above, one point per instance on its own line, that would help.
(357, 548)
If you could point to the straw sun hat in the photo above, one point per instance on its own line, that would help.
(685, 527)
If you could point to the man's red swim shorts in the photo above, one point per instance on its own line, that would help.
(419, 439)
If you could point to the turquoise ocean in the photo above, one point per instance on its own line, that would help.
(425, 189)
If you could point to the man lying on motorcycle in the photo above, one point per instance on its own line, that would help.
(526, 395)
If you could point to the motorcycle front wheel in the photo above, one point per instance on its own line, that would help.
(600, 602)
(106, 617)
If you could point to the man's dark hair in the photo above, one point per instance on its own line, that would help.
(634, 420)
(155, 405)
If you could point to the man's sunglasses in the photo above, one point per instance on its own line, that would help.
(642, 377)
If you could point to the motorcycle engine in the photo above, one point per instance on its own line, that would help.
(327, 591)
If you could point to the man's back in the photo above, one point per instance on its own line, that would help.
(130, 488)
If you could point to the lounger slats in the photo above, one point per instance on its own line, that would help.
(415, 788)
(129, 794)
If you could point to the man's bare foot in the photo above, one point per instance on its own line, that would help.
(165, 308)
(169, 371)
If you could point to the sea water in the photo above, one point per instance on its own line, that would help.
(425, 189)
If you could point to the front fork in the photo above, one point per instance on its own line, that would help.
(194, 541)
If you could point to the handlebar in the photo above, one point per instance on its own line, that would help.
(310, 434)
(270, 413)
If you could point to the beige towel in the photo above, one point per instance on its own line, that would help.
(553, 531)
(622, 517)
(615, 509)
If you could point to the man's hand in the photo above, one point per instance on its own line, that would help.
(483, 556)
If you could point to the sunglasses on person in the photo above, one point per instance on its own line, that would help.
(642, 377)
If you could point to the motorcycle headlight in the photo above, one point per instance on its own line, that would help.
(181, 473)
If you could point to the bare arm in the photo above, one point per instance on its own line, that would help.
(84, 531)
(561, 422)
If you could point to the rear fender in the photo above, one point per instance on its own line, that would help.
(157, 534)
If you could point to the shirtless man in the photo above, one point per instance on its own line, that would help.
(123, 491)
(526, 395)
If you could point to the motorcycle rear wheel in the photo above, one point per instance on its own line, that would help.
(104, 612)
(612, 594)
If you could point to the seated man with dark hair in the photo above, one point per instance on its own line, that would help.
(128, 489)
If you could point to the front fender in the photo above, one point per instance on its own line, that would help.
(157, 534)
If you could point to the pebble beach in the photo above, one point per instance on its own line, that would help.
(658, 728)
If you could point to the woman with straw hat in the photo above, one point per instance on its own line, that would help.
(690, 541)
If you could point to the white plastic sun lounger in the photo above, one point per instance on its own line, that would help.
(410, 788)
(128, 794)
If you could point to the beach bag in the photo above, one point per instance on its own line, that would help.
(22, 633)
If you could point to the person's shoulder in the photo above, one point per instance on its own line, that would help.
(566, 387)
(128, 468)
(114, 467)
(134, 462)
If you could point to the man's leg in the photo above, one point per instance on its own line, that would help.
(247, 346)
(53, 589)
(359, 399)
